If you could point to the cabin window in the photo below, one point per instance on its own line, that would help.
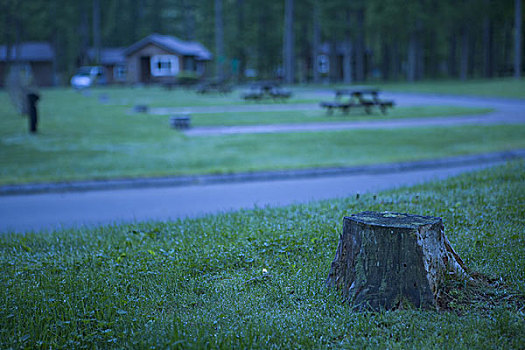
(164, 65)
(119, 72)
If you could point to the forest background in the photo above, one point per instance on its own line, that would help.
(375, 39)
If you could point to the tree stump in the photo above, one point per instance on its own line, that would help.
(388, 260)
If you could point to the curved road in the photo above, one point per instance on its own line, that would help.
(506, 111)
(51, 211)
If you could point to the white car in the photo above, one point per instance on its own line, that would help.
(88, 76)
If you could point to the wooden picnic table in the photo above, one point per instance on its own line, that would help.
(366, 98)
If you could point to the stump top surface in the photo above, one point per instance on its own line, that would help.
(388, 219)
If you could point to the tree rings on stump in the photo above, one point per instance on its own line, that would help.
(387, 260)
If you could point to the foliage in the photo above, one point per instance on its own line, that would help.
(253, 31)
(255, 278)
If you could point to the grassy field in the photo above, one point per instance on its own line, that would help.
(79, 138)
(318, 116)
(155, 96)
(508, 88)
(200, 283)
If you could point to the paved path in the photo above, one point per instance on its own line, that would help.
(507, 111)
(50, 211)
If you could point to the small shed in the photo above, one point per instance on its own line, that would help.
(162, 58)
(35, 57)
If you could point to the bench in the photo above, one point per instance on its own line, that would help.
(180, 122)
(140, 109)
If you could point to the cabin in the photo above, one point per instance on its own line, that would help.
(35, 57)
(113, 61)
(162, 58)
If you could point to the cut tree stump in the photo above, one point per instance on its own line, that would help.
(391, 260)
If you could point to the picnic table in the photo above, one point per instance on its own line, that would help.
(180, 121)
(266, 90)
(367, 98)
(214, 86)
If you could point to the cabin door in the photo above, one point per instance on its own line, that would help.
(145, 69)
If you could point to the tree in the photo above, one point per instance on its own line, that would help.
(219, 40)
(422, 38)
(517, 39)
(347, 50)
(360, 73)
(288, 47)
(316, 41)
(96, 30)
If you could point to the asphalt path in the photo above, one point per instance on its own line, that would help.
(506, 111)
(90, 208)
(80, 209)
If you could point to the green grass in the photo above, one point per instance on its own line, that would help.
(155, 96)
(319, 116)
(200, 283)
(508, 88)
(150, 151)
(82, 139)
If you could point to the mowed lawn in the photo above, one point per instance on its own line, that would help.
(318, 116)
(507, 88)
(81, 138)
(254, 279)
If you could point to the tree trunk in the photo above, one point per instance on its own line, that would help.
(334, 66)
(507, 49)
(433, 62)
(452, 59)
(84, 35)
(385, 60)
(347, 56)
(219, 40)
(96, 31)
(54, 41)
(412, 58)
(288, 43)
(315, 43)
(488, 61)
(390, 260)
(241, 55)
(394, 61)
(517, 39)
(360, 73)
(262, 38)
(420, 59)
(189, 19)
(464, 64)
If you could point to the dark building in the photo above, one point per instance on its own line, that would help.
(113, 61)
(34, 57)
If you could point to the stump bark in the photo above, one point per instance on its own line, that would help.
(386, 260)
